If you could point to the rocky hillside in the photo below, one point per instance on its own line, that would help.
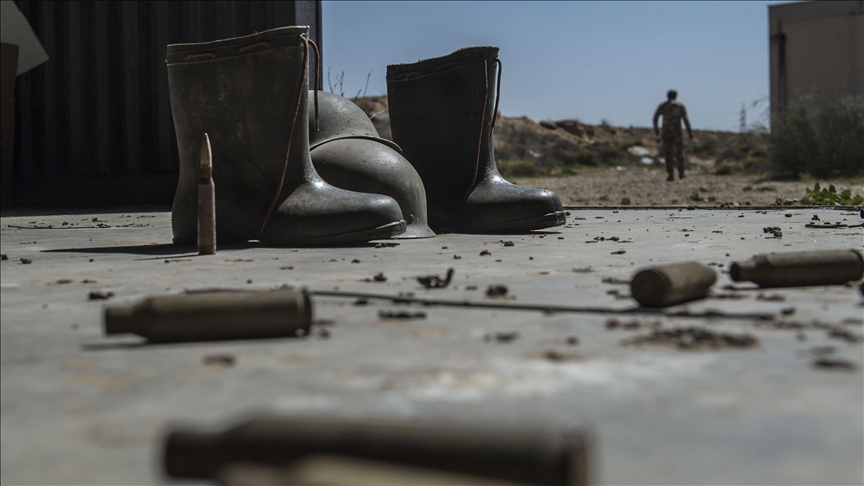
(524, 147)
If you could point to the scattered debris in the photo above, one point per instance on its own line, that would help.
(834, 364)
(502, 337)
(787, 311)
(223, 359)
(355, 261)
(26, 261)
(619, 252)
(378, 277)
(630, 325)
(485, 253)
(470, 287)
(558, 356)
(694, 338)
(507, 243)
(88, 281)
(572, 340)
(844, 335)
(322, 334)
(178, 260)
(99, 295)
(436, 282)
(457, 257)
(361, 301)
(618, 295)
(63, 281)
(821, 350)
(3, 257)
(771, 298)
(401, 315)
(497, 291)
(616, 281)
(728, 296)
(774, 230)
(286, 268)
(385, 245)
(240, 260)
(815, 218)
(583, 270)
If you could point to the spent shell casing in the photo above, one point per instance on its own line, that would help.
(666, 285)
(206, 202)
(518, 455)
(214, 316)
(798, 269)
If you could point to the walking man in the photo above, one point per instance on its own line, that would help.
(672, 141)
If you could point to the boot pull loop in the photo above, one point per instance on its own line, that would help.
(480, 136)
(253, 45)
(299, 97)
(200, 55)
(443, 66)
(497, 93)
(317, 86)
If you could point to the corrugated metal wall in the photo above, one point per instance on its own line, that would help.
(94, 123)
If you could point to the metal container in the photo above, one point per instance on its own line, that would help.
(666, 285)
(798, 269)
(214, 316)
(534, 457)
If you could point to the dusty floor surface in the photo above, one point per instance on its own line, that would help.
(672, 399)
(647, 185)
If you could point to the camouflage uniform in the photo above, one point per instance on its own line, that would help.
(672, 139)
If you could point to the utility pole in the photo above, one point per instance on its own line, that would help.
(743, 119)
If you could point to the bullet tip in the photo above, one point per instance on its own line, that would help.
(206, 156)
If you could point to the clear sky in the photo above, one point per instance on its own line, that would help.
(571, 60)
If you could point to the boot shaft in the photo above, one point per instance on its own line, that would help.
(244, 92)
(441, 113)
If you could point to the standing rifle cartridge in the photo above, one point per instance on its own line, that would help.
(666, 285)
(214, 316)
(206, 202)
(798, 269)
(522, 456)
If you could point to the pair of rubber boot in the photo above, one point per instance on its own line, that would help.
(250, 95)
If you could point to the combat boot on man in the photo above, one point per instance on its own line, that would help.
(442, 115)
(249, 95)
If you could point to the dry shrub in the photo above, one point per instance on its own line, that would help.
(818, 135)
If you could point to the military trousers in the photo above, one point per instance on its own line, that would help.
(672, 148)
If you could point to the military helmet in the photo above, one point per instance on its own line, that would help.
(339, 118)
(347, 152)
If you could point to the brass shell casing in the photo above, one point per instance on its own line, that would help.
(214, 316)
(666, 285)
(799, 269)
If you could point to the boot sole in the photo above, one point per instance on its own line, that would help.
(386, 231)
(548, 220)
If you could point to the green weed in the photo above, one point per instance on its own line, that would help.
(820, 196)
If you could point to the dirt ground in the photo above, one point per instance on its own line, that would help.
(648, 186)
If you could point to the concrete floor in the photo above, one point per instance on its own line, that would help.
(82, 408)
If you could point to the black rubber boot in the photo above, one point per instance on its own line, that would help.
(348, 153)
(249, 95)
(442, 114)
